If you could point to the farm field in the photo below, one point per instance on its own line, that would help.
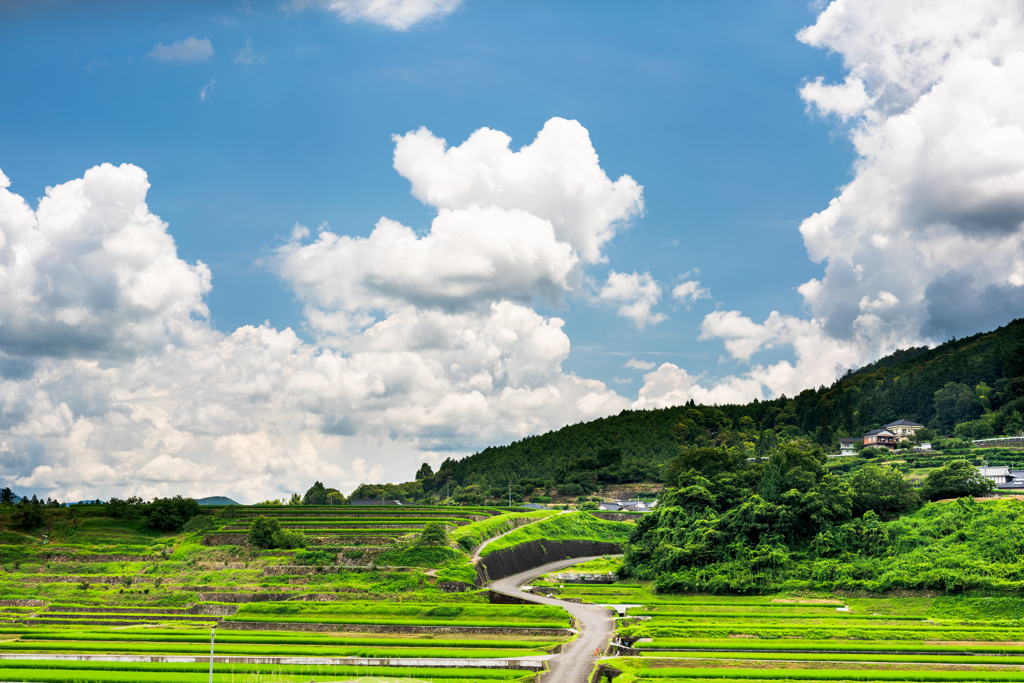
(802, 637)
(107, 599)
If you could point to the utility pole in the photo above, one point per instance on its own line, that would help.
(510, 493)
(212, 632)
(447, 491)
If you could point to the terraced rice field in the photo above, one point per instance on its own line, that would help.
(668, 638)
(110, 600)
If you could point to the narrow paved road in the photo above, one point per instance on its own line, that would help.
(577, 659)
(479, 548)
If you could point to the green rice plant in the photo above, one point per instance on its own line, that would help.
(832, 675)
(836, 657)
(801, 646)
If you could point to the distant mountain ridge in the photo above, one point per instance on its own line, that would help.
(216, 500)
(900, 385)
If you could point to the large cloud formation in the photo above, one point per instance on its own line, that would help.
(112, 380)
(926, 241)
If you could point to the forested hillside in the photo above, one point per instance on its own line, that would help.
(975, 383)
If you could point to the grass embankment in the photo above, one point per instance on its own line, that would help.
(564, 527)
(470, 536)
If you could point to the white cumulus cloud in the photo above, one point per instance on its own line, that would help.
(637, 293)
(400, 15)
(689, 292)
(113, 382)
(927, 240)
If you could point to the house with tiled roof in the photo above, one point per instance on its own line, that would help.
(880, 438)
(903, 429)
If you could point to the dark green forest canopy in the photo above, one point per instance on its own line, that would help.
(901, 385)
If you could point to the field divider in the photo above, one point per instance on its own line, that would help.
(533, 663)
(391, 628)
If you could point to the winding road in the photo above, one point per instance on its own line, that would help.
(577, 659)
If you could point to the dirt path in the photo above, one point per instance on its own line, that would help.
(577, 659)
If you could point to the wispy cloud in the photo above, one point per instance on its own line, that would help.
(248, 55)
(207, 89)
(188, 50)
(639, 364)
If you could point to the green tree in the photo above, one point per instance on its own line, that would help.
(974, 429)
(262, 530)
(708, 462)
(28, 515)
(955, 480)
(317, 494)
(956, 403)
(296, 499)
(882, 490)
(171, 514)
(424, 471)
(434, 533)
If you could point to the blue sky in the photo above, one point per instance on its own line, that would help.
(244, 246)
(698, 102)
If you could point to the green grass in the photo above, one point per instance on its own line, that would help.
(439, 649)
(563, 527)
(202, 637)
(676, 673)
(478, 532)
(51, 671)
(801, 646)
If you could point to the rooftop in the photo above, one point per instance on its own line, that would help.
(903, 423)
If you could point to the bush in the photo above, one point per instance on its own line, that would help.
(587, 506)
(434, 533)
(955, 480)
(540, 500)
(199, 524)
(262, 530)
(171, 514)
(467, 543)
(314, 557)
(288, 540)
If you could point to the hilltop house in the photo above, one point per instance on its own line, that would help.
(903, 429)
(1004, 477)
(848, 446)
(880, 438)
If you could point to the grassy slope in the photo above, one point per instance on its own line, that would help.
(478, 532)
(564, 527)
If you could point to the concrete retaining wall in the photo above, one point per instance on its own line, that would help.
(520, 558)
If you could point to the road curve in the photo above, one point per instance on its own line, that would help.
(577, 658)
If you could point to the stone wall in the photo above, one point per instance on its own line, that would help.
(238, 598)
